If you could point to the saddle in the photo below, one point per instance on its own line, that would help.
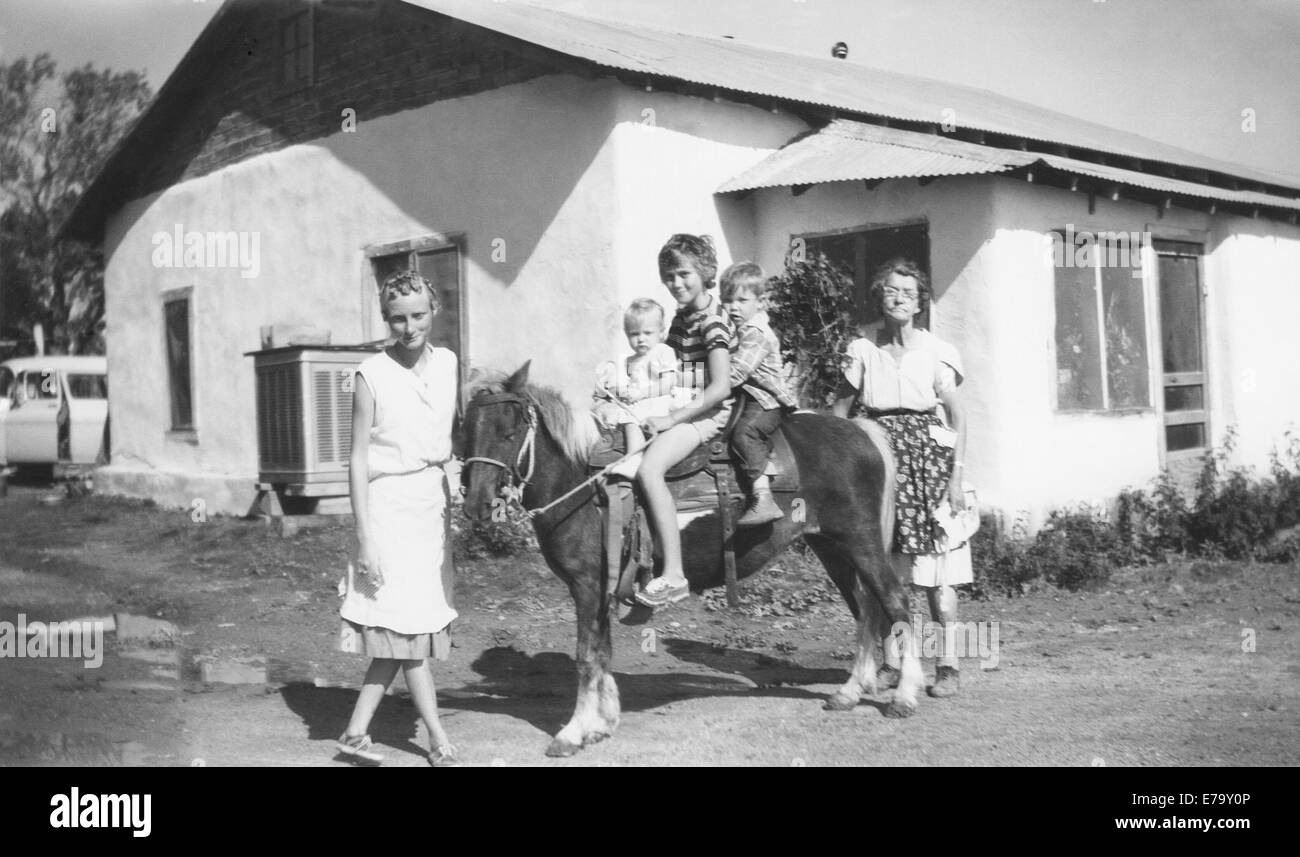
(704, 482)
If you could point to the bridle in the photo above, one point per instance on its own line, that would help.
(517, 479)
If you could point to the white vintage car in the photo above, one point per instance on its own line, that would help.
(53, 410)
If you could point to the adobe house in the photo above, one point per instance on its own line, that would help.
(533, 162)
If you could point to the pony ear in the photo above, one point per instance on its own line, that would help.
(516, 382)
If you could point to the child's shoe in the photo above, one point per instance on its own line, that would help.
(659, 592)
(443, 756)
(359, 749)
(762, 509)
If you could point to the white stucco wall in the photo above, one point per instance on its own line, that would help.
(994, 287)
(524, 169)
(564, 190)
(1253, 302)
(958, 212)
(671, 153)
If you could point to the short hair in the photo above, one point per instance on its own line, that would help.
(743, 275)
(640, 308)
(695, 250)
(904, 267)
(406, 283)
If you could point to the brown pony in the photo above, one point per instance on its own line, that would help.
(524, 436)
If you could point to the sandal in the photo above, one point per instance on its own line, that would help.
(359, 749)
(443, 756)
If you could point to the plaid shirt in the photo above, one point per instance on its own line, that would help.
(756, 365)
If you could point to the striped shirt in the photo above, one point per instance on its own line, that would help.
(692, 335)
(756, 365)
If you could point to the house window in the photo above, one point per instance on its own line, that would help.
(1101, 343)
(860, 252)
(296, 50)
(176, 324)
(438, 259)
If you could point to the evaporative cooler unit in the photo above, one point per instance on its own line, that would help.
(304, 418)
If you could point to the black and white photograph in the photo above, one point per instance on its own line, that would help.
(651, 383)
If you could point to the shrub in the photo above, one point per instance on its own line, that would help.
(1073, 550)
(1230, 515)
(1076, 550)
(811, 306)
(481, 539)
(999, 562)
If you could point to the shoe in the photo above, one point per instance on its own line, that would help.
(359, 749)
(887, 677)
(762, 510)
(947, 682)
(659, 592)
(443, 756)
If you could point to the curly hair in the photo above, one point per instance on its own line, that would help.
(904, 267)
(695, 250)
(407, 283)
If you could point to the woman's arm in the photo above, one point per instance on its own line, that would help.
(363, 417)
(845, 395)
(957, 418)
(718, 389)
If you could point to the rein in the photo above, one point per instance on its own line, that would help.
(528, 450)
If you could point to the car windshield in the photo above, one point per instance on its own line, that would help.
(6, 380)
(88, 386)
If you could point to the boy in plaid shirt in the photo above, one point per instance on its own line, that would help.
(758, 380)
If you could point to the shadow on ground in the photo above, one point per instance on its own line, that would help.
(539, 689)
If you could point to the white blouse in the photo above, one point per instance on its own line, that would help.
(414, 413)
(914, 382)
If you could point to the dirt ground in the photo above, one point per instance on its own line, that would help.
(222, 654)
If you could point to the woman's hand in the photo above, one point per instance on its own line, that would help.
(368, 563)
(657, 425)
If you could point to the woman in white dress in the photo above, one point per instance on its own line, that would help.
(396, 605)
(900, 376)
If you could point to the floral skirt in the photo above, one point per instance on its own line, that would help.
(923, 454)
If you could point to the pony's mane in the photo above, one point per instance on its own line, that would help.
(573, 427)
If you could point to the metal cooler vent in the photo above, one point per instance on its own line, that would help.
(304, 415)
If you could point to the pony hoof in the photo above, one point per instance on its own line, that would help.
(899, 710)
(594, 738)
(562, 749)
(840, 702)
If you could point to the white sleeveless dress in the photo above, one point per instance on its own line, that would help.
(409, 512)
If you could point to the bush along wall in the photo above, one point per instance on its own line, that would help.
(1230, 514)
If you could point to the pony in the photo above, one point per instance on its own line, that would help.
(525, 441)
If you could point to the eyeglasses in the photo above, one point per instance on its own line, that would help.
(898, 293)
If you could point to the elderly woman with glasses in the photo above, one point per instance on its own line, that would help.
(900, 376)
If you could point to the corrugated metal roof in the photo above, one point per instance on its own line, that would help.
(846, 151)
(759, 70)
(1167, 185)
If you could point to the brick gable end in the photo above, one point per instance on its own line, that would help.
(375, 56)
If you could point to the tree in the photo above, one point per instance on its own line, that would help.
(55, 131)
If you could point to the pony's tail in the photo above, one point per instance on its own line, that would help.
(880, 438)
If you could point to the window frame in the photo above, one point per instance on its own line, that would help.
(285, 85)
(1147, 258)
(1210, 386)
(188, 433)
(432, 241)
(925, 319)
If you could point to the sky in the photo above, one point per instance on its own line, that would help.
(1179, 71)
